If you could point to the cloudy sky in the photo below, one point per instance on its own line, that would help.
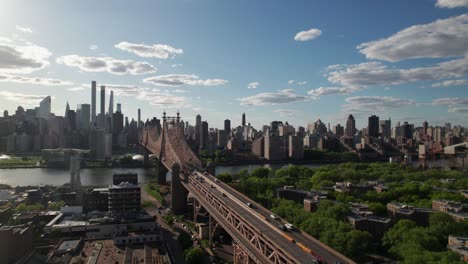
(274, 60)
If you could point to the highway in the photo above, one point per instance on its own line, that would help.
(287, 248)
(260, 218)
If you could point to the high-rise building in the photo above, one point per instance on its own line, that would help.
(119, 108)
(203, 135)
(338, 130)
(44, 108)
(93, 103)
(111, 110)
(407, 132)
(373, 126)
(227, 125)
(243, 120)
(350, 126)
(385, 128)
(425, 125)
(83, 115)
(139, 118)
(197, 131)
(67, 108)
(103, 100)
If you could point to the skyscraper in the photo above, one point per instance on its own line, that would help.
(103, 100)
(203, 135)
(44, 108)
(373, 126)
(243, 119)
(83, 111)
(350, 126)
(93, 103)
(139, 118)
(111, 110)
(67, 108)
(425, 125)
(227, 125)
(197, 131)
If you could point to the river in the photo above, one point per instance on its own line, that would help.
(102, 176)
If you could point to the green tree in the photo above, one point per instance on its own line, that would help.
(225, 177)
(194, 255)
(260, 172)
(185, 240)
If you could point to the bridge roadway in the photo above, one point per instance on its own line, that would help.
(260, 218)
(295, 254)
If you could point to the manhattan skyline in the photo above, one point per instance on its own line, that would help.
(298, 63)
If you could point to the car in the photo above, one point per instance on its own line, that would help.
(274, 216)
(211, 185)
(249, 205)
(216, 180)
(289, 226)
(223, 194)
(282, 227)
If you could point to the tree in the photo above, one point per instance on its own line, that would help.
(194, 255)
(185, 240)
(260, 172)
(225, 177)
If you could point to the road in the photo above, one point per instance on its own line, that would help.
(260, 218)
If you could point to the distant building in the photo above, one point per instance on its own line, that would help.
(258, 147)
(373, 126)
(227, 125)
(275, 148)
(44, 108)
(296, 148)
(350, 127)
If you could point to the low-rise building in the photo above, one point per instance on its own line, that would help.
(459, 245)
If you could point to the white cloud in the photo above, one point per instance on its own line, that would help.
(450, 83)
(107, 64)
(93, 47)
(23, 29)
(33, 80)
(458, 110)
(22, 57)
(281, 97)
(439, 39)
(297, 82)
(286, 112)
(160, 51)
(452, 3)
(450, 101)
(308, 34)
(154, 97)
(22, 99)
(330, 90)
(76, 89)
(253, 85)
(373, 104)
(176, 80)
(176, 65)
(375, 73)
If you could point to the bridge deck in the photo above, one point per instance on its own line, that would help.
(259, 217)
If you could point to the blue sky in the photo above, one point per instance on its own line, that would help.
(274, 60)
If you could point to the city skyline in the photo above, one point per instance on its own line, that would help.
(298, 68)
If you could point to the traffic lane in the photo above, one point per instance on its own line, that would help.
(315, 245)
(274, 236)
(241, 239)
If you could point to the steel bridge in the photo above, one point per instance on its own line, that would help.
(256, 236)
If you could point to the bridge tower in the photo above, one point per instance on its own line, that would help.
(178, 191)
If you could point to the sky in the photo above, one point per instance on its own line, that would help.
(295, 61)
